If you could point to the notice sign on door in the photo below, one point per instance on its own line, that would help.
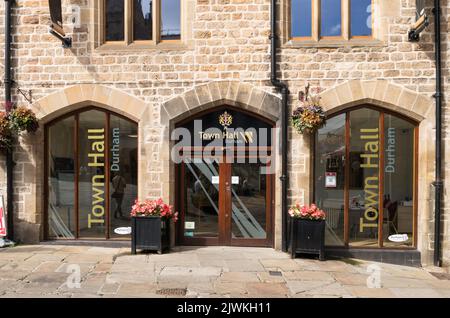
(330, 179)
(215, 180)
(2, 218)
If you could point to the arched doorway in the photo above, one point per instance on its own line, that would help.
(365, 178)
(225, 178)
(90, 175)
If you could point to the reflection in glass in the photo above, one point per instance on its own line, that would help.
(114, 20)
(301, 16)
(170, 20)
(361, 17)
(61, 179)
(330, 18)
(330, 177)
(398, 180)
(91, 175)
(201, 198)
(248, 201)
(142, 20)
(123, 171)
(364, 166)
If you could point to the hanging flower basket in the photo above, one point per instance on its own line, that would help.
(309, 116)
(20, 119)
(23, 119)
(6, 136)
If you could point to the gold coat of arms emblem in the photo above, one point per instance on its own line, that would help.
(225, 119)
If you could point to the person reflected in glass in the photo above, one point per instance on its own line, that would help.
(119, 184)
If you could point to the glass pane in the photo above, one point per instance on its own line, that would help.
(364, 177)
(142, 20)
(61, 180)
(248, 201)
(398, 181)
(361, 17)
(170, 19)
(114, 20)
(91, 184)
(330, 177)
(123, 164)
(201, 198)
(301, 17)
(330, 18)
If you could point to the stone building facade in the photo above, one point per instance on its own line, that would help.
(223, 58)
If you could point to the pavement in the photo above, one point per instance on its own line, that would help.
(219, 272)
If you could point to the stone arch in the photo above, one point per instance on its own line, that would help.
(79, 96)
(379, 93)
(217, 93)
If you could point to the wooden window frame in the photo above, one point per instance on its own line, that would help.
(76, 151)
(317, 22)
(361, 37)
(129, 25)
(415, 153)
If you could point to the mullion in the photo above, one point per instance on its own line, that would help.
(347, 180)
(381, 181)
(76, 179)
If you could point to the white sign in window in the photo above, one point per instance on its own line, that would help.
(189, 225)
(235, 179)
(331, 180)
(215, 180)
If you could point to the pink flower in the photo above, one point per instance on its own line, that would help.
(153, 208)
(311, 212)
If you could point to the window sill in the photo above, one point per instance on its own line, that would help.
(170, 46)
(334, 43)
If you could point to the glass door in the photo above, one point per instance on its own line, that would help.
(250, 204)
(225, 203)
(200, 198)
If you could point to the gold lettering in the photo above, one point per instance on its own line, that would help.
(98, 211)
(93, 132)
(96, 157)
(94, 221)
(369, 163)
(372, 146)
(98, 146)
(363, 225)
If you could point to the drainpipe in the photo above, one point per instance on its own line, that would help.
(438, 184)
(281, 86)
(8, 107)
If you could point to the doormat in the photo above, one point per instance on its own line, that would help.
(441, 276)
(172, 291)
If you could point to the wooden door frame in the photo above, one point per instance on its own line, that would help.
(225, 220)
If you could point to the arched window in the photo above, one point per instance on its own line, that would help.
(91, 173)
(365, 178)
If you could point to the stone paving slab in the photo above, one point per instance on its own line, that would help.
(201, 272)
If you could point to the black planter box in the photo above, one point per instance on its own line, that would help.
(150, 233)
(308, 237)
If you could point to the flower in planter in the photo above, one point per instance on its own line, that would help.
(307, 212)
(154, 208)
(309, 116)
(6, 135)
(23, 119)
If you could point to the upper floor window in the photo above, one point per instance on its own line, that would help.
(128, 21)
(331, 19)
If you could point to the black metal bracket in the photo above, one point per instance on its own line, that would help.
(66, 41)
(27, 95)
